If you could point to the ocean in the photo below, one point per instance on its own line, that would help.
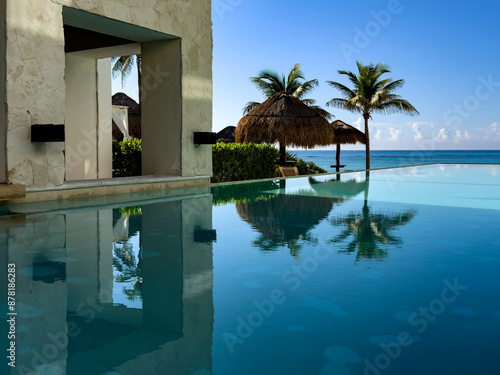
(355, 160)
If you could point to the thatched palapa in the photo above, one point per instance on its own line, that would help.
(284, 119)
(345, 134)
(134, 116)
(226, 135)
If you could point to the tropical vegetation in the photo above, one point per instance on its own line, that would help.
(269, 82)
(250, 161)
(370, 93)
(122, 67)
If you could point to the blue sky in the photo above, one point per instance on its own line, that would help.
(447, 52)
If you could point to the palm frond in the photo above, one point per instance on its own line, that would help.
(306, 88)
(249, 107)
(322, 112)
(394, 85)
(344, 90)
(395, 106)
(308, 102)
(351, 76)
(270, 82)
(337, 103)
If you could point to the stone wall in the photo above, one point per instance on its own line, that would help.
(3, 122)
(36, 88)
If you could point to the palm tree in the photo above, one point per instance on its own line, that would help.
(122, 66)
(370, 94)
(270, 82)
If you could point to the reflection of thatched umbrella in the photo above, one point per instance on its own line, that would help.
(134, 116)
(338, 189)
(346, 134)
(284, 119)
(285, 218)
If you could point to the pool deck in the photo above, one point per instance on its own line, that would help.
(13, 194)
(9, 192)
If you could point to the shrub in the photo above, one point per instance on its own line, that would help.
(308, 167)
(304, 167)
(243, 161)
(127, 158)
(231, 161)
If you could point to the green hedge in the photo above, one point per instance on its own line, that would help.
(127, 158)
(243, 161)
(231, 161)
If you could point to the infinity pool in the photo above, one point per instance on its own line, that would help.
(391, 273)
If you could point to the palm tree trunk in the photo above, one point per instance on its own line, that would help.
(282, 155)
(367, 134)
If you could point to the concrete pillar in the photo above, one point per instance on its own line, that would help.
(162, 275)
(3, 118)
(81, 118)
(34, 57)
(82, 237)
(161, 108)
(104, 107)
(105, 257)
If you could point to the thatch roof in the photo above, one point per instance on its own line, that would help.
(286, 120)
(345, 133)
(226, 135)
(134, 116)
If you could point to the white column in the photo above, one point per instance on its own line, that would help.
(161, 108)
(104, 151)
(81, 118)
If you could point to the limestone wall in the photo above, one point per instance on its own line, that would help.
(3, 123)
(36, 88)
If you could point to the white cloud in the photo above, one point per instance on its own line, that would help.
(395, 135)
(359, 124)
(418, 132)
(462, 135)
(378, 135)
(493, 132)
(442, 135)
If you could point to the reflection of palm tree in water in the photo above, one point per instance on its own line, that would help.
(129, 268)
(128, 261)
(371, 231)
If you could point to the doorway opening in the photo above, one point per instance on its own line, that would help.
(91, 42)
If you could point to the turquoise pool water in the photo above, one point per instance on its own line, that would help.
(396, 273)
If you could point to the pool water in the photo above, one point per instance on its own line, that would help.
(391, 273)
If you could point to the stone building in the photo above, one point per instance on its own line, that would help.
(55, 56)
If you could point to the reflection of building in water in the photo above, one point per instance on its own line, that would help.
(68, 321)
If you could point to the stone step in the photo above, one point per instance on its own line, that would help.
(8, 192)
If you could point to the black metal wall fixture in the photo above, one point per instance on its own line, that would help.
(47, 133)
(204, 138)
(206, 236)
